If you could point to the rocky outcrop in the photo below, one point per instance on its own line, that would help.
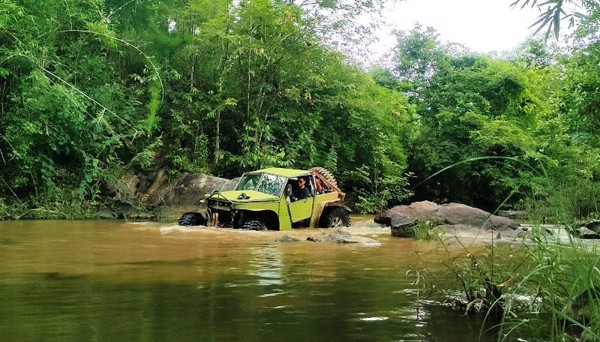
(513, 214)
(590, 230)
(343, 237)
(455, 213)
(402, 219)
(188, 189)
(403, 226)
(286, 238)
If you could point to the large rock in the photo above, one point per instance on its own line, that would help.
(343, 237)
(589, 230)
(188, 189)
(455, 213)
(403, 226)
(337, 236)
(593, 226)
(402, 217)
(424, 210)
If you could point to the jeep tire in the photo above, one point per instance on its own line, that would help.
(192, 218)
(335, 217)
(254, 224)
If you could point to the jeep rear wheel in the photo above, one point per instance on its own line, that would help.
(335, 217)
(326, 174)
(192, 219)
(254, 224)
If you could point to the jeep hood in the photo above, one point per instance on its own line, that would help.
(250, 196)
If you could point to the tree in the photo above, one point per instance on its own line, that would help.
(473, 115)
(61, 113)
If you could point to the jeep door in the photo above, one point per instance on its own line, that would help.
(302, 209)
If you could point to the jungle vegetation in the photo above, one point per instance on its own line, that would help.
(94, 90)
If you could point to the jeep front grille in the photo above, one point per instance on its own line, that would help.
(217, 205)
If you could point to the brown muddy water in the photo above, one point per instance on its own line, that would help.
(133, 281)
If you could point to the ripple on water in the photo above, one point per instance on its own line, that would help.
(374, 318)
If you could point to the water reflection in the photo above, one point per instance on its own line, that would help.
(266, 263)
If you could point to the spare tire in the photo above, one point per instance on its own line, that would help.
(326, 174)
(192, 218)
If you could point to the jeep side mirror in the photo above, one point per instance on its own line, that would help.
(288, 190)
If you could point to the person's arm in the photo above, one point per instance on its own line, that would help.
(306, 192)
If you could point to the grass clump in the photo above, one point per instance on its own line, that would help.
(546, 287)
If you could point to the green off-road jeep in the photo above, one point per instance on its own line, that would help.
(272, 199)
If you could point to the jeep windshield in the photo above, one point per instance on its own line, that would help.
(263, 182)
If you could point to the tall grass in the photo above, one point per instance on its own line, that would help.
(565, 275)
(546, 287)
(549, 277)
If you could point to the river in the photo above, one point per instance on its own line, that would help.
(152, 281)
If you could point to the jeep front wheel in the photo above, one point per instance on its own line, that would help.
(335, 217)
(254, 224)
(192, 219)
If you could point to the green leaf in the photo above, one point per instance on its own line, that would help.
(103, 33)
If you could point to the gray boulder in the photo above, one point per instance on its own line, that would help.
(513, 214)
(589, 230)
(593, 226)
(286, 238)
(403, 218)
(188, 189)
(342, 237)
(403, 226)
(337, 236)
(455, 213)
(424, 210)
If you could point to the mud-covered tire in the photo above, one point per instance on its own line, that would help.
(254, 224)
(326, 174)
(192, 218)
(335, 217)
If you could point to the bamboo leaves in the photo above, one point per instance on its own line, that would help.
(553, 12)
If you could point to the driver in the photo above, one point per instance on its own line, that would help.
(302, 191)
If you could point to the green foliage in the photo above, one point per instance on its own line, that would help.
(103, 33)
(375, 192)
(144, 161)
(424, 230)
(504, 132)
(567, 192)
(560, 275)
(554, 276)
(472, 107)
(153, 106)
(580, 96)
(95, 89)
(418, 55)
(60, 101)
